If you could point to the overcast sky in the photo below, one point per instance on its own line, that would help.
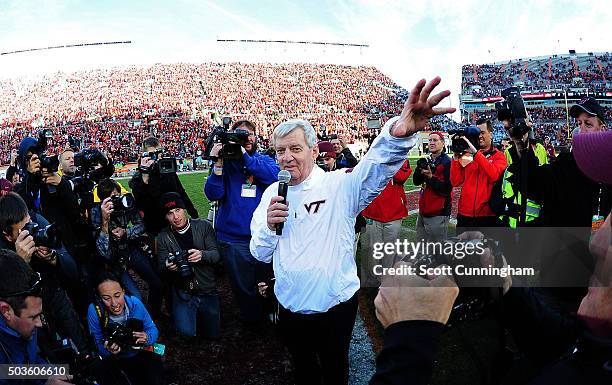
(408, 39)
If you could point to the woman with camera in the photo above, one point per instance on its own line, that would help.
(123, 331)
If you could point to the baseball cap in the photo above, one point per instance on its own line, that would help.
(588, 105)
(170, 201)
(326, 149)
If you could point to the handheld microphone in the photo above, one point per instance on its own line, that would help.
(283, 183)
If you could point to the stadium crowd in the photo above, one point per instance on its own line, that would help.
(109, 107)
(559, 72)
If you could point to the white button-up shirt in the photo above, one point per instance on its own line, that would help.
(313, 258)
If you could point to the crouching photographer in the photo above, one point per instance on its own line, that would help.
(37, 243)
(187, 249)
(124, 246)
(124, 333)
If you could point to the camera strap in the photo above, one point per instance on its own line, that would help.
(103, 317)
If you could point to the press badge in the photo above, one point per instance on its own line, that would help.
(597, 222)
(248, 191)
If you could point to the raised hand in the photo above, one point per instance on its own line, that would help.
(420, 107)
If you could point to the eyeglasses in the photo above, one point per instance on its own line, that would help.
(35, 290)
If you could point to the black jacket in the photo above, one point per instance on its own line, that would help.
(203, 239)
(147, 198)
(569, 201)
(346, 159)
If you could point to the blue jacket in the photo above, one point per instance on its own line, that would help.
(20, 351)
(235, 212)
(136, 310)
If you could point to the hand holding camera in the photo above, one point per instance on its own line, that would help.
(46, 254)
(195, 256)
(107, 209)
(51, 178)
(24, 245)
(34, 164)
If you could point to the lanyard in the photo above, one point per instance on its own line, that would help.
(599, 200)
(250, 180)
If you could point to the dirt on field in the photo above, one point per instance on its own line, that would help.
(239, 357)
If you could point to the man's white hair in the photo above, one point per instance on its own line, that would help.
(285, 128)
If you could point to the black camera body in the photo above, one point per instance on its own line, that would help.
(426, 164)
(458, 144)
(512, 108)
(123, 206)
(48, 236)
(161, 164)
(122, 335)
(48, 162)
(180, 258)
(86, 368)
(476, 294)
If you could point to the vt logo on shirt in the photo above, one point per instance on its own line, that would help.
(316, 205)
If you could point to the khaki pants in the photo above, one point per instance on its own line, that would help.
(378, 232)
(433, 229)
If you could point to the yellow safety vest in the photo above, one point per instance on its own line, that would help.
(532, 209)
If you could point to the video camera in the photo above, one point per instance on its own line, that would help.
(232, 141)
(48, 162)
(512, 108)
(47, 236)
(122, 335)
(458, 145)
(162, 164)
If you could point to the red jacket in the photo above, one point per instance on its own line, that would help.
(477, 179)
(391, 203)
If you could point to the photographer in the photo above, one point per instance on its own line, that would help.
(49, 194)
(148, 185)
(45, 259)
(344, 156)
(187, 249)
(476, 171)
(122, 245)
(66, 163)
(122, 328)
(433, 175)
(569, 200)
(20, 316)
(238, 186)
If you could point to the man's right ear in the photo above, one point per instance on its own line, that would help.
(6, 311)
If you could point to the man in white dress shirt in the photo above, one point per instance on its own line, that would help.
(316, 274)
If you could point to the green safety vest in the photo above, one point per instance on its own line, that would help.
(532, 209)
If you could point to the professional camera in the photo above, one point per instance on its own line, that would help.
(123, 335)
(183, 266)
(48, 162)
(426, 164)
(161, 164)
(47, 236)
(232, 141)
(477, 292)
(458, 145)
(85, 368)
(512, 108)
(122, 203)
